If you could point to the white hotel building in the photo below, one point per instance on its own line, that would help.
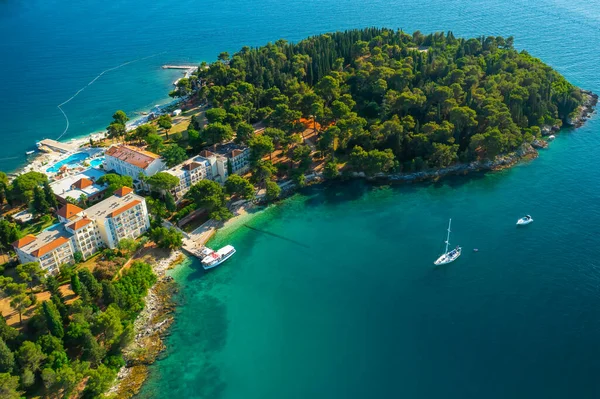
(131, 161)
(123, 215)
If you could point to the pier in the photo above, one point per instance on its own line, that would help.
(194, 242)
(179, 66)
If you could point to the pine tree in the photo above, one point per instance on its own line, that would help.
(50, 197)
(39, 203)
(170, 202)
(53, 319)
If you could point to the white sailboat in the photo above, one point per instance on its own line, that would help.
(451, 256)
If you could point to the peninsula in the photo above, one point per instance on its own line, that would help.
(370, 103)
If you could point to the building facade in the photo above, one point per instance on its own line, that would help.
(218, 170)
(123, 215)
(131, 161)
(189, 173)
(239, 160)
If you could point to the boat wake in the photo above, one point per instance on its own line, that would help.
(59, 106)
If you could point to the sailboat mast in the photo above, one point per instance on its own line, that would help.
(448, 238)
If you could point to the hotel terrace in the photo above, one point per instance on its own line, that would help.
(123, 215)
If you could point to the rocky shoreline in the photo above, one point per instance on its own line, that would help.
(153, 322)
(525, 152)
(585, 110)
(150, 328)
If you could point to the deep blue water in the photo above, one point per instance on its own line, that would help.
(52, 49)
(357, 310)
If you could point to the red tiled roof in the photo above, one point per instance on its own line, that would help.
(132, 155)
(123, 191)
(124, 208)
(83, 183)
(49, 247)
(21, 242)
(236, 152)
(68, 211)
(79, 223)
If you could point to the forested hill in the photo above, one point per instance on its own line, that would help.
(428, 100)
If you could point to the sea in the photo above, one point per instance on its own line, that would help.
(333, 292)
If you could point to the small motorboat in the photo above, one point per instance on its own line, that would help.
(551, 137)
(29, 152)
(524, 220)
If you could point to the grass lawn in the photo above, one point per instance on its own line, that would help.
(37, 226)
(90, 263)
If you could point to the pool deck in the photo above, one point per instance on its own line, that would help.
(58, 146)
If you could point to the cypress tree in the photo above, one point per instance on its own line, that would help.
(50, 197)
(53, 319)
(170, 202)
(75, 284)
(39, 203)
(7, 358)
(89, 281)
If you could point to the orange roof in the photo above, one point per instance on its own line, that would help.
(79, 223)
(123, 191)
(236, 152)
(132, 155)
(124, 208)
(43, 250)
(83, 183)
(21, 242)
(68, 211)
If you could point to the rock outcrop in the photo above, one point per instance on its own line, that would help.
(584, 112)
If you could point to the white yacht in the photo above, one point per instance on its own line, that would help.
(451, 256)
(213, 259)
(524, 220)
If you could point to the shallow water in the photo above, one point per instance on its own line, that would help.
(338, 297)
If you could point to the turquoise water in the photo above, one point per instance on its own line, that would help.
(71, 161)
(339, 298)
(94, 163)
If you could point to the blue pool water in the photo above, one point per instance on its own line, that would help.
(71, 162)
(94, 163)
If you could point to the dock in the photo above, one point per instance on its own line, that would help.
(54, 145)
(194, 242)
(179, 66)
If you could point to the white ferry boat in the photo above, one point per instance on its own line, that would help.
(212, 259)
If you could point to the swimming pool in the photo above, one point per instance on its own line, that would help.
(94, 163)
(70, 162)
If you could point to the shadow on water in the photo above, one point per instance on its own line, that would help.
(277, 236)
(341, 191)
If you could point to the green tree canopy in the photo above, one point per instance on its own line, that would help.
(260, 146)
(115, 182)
(155, 142)
(23, 186)
(166, 238)
(163, 181)
(273, 191)
(173, 155)
(209, 195)
(238, 185)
